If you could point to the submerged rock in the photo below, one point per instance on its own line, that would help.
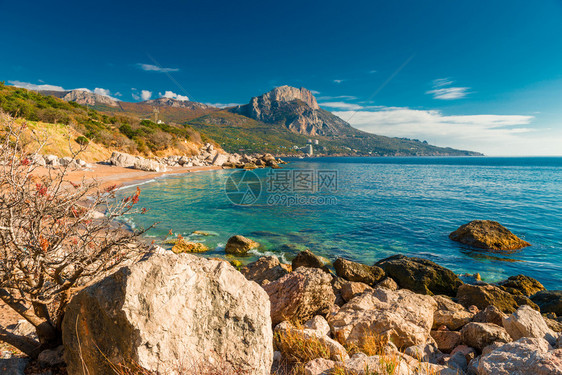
(184, 246)
(240, 245)
(353, 271)
(420, 275)
(488, 235)
(169, 311)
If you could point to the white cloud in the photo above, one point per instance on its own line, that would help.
(154, 68)
(490, 134)
(338, 80)
(341, 105)
(100, 91)
(449, 93)
(32, 86)
(372, 71)
(344, 97)
(145, 94)
(441, 91)
(173, 95)
(315, 92)
(440, 82)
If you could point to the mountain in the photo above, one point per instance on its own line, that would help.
(296, 109)
(175, 103)
(83, 97)
(281, 121)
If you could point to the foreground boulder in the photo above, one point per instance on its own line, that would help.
(527, 322)
(402, 316)
(483, 296)
(300, 295)
(265, 269)
(524, 356)
(549, 301)
(167, 312)
(240, 245)
(353, 271)
(420, 275)
(488, 235)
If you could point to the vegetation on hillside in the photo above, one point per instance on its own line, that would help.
(125, 133)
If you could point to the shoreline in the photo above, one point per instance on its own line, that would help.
(107, 175)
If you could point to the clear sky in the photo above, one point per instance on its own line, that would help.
(479, 75)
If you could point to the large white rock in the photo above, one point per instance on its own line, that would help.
(526, 356)
(121, 159)
(167, 313)
(403, 316)
(528, 322)
(220, 159)
(149, 165)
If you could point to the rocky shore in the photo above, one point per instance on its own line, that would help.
(178, 313)
(170, 313)
(208, 156)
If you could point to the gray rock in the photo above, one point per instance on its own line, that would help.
(358, 272)
(522, 357)
(51, 357)
(266, 268)
(300, 295)
(527, 322)
(166, 311)
(480, 335)
(403, 316)
(13, 366)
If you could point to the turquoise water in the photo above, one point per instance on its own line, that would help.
(382, 206)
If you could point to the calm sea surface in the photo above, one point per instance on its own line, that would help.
(376, 207)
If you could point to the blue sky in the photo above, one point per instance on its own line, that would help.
(480, 75)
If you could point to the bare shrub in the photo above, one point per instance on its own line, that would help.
(56, 237)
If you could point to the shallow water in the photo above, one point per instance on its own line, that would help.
(382, 206)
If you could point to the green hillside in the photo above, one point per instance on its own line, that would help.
(122, 132)
(236, 133)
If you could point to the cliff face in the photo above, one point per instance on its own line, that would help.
(88, 98)
(174, 103)
(297, 109)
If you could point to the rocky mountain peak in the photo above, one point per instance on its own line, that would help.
(175, 103)
(88, 98)
(288, 93)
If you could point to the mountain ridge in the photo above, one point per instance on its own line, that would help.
(284, 120)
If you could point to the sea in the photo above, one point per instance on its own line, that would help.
(369, 208)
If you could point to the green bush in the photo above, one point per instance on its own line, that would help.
(81, 140)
